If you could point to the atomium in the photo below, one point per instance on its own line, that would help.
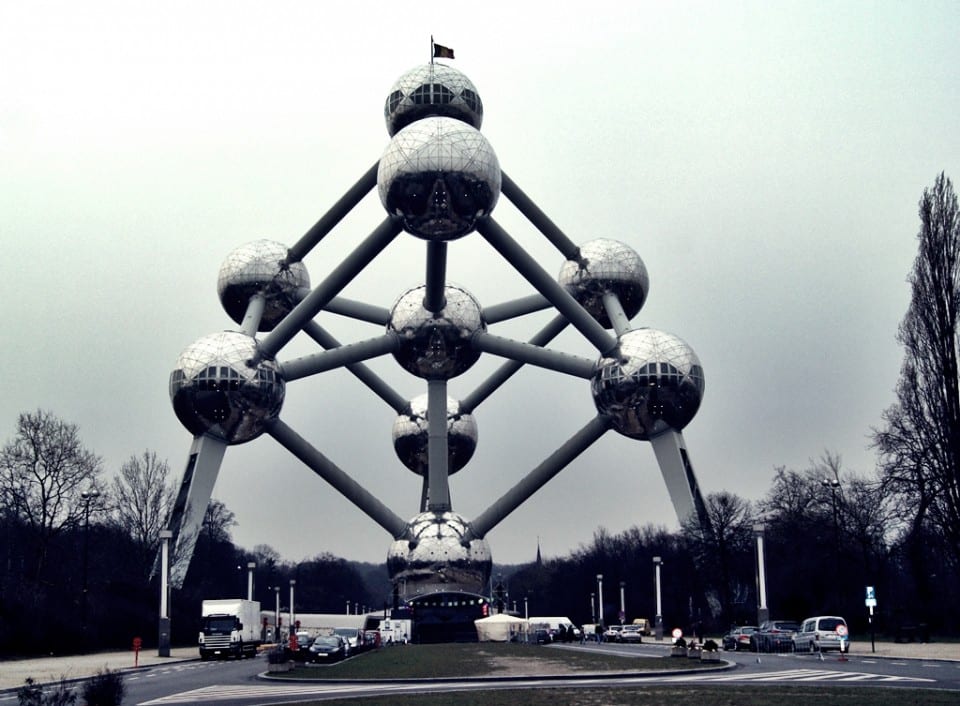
(606, 267)
(440, 176)
(215, 390)
(261, 268)
(439, 180)
(428, 90)
(435, 555)
(654, 383)
(436, 346)
(411, 436)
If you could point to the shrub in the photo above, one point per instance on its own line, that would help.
(104, 689)
(681, 642)
(31, 694)
(711, 646)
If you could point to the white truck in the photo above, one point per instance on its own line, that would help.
(229, 627)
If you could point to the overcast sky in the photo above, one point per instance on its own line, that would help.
(765, 159)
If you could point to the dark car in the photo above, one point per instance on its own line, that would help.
(328, 648)
(774, 636)
(739, 638)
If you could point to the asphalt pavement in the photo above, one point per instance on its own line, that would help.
(45, 670)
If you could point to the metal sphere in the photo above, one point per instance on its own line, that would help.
(411, 436)
(606, 266)
(432, 556)
(258, 268)
(216, 391)
(436, 346)
(428, 90)
(440, 176)
(654, 383)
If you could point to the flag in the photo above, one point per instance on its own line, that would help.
(442, 52)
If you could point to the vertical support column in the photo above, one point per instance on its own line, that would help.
(437, 451)
(163, 639)
(763, 614)
(658, 619)
(251, 565)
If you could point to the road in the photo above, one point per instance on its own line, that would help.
(237, 682)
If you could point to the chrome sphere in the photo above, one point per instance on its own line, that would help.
(428, 90)
(432, 556)
(654, 383)
(216, 391)
(258, 268)
(606, 266)
(440, 176)
(436, 346)
(411, 436)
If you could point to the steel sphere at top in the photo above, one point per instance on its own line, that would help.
(440, 176)
(411, 438)
(436, 345)
(432, 556)
(432, 89)
(653, 383)
(216, 391)
(260, 267)
(606, 267)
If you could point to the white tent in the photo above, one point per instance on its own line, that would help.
(501, 628)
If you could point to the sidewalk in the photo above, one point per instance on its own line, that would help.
(45, 670)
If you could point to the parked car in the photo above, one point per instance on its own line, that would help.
(631, 633)
(644, 626)
(774, 636)
(821, 633)
(328, 648)
(738, 638)
(352, 636)
(612, 633)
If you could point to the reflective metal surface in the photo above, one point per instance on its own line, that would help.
(257, 267)
(214, 391)
(436, 346)
(440, 176)
(654, 384)
(606, 266)
(432, 89)
(411, 436)
(432, 556)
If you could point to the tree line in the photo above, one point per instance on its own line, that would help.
(78, 546)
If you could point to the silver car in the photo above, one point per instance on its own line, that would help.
(821, 633)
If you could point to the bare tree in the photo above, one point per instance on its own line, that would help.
(919, 444)
(142, 500)
(44, 472)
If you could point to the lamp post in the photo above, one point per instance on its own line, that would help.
(293, 582)
(593, 608)
(526, 610)
(600, 598)
(251, 565)
(87, 497)
(834, 485)
(658, 619)
(276, 616)
(763, 613)
(163, 640)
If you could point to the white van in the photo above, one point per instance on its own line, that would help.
(553, 623)
(820, 633)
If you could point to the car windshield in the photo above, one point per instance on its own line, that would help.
(327, 642)
(788, 627)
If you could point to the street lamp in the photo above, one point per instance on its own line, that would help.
(658, 619)
(763, 613)
(600, 598)
(593, 608)
(834, 485)
(251, 565)
(292, 628)
(87, 497)
(276, 616)
(163, 642)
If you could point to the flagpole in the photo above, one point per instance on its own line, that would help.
(431, 50)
